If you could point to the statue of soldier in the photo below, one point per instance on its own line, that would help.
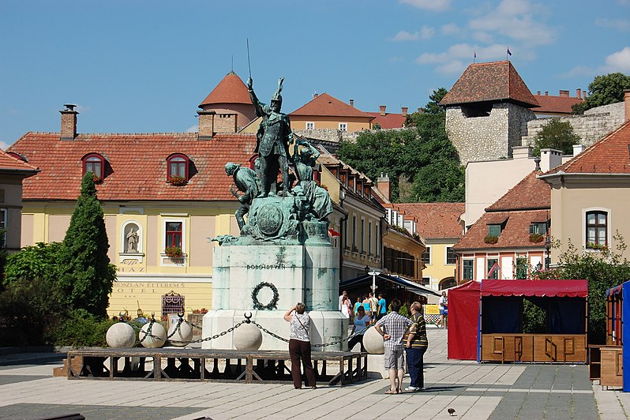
(273, 139)
(246, 181)
(305, 157)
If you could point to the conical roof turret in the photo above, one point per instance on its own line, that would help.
(230, 90)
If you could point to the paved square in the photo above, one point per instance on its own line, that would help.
(474, 391)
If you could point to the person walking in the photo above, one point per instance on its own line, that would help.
(443, 305)
(346, 307)
(343, 295)
(373, 305)
(392, 327)
(416, 344)
(382, 306)
(361, 323)
(366, 306)
(357, 304)
(300, 345)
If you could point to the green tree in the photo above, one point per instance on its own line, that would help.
(33, 262)
(433, 107)
(557, 135)
(603, 270)
(87, 276)
(604, 90)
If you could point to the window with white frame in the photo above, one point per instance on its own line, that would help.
(310, 125)
(343, 126)
(450, 255)
(426, 256)
(596, 229)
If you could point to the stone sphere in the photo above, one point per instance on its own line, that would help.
(182, 336)
(373, 342)
(157, 337)
(120, 335)
(247, 337)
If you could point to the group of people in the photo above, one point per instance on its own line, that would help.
(402, 336)
(373, 307)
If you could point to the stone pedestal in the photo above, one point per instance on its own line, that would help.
(306, 273)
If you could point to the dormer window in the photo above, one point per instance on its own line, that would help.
(494, 230)
(177, 169)
(94, 163)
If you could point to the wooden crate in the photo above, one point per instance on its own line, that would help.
(611, 366)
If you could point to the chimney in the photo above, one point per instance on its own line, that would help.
(577, 149)
(626, 103)
(578, 93)
(382, 184)
(404, 110)
(382, 109)
(564, 93)
(538, 93)
(206, 125)
(352, 103)
(546, 93)
(315, 95)
(521, 152)
(549, 159)
(68, 122)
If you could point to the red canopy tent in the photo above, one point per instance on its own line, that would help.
(463, 321)
(464, 304)
(540, 288)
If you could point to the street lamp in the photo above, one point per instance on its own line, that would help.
(374, 273)
(548, 248)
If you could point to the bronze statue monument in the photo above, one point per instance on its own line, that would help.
(273, 137)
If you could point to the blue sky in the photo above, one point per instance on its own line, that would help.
(144, 66)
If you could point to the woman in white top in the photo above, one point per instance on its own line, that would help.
(300, 345)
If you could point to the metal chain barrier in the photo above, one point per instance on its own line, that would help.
(247, 320)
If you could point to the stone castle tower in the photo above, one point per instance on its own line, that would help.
(486, 110)
(227, 108)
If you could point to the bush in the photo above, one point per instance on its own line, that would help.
(603, 270)
(534, 318)
(81, 329)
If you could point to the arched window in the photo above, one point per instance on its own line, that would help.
(177, 167)
(94, 163)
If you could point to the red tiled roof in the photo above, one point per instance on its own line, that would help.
(325, 105)
(136, 165)
(435, 220)
(610, 155)
(10, 163)
(514, 235)
(528, 202)
(230, 90)
(495, 81)
(388, 120)
(556, 104)
(530, 193)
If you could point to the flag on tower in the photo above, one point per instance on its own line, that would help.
(508, 52)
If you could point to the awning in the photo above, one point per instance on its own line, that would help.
(547, 288)
(366, 280)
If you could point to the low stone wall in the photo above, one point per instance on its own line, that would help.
(590, 127)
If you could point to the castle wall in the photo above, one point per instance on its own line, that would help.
(479, 138)
(590, 127)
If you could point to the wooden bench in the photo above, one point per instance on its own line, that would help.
(210, 365)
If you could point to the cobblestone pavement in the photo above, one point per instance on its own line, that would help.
(474, 391)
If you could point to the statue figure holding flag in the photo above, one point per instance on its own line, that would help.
(273, 138)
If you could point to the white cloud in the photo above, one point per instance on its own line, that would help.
(433, 5)
(450, 29)
(484, 37)
(193, 129)
(453, 60)
(516, 19)
(618, 24)
(426, 32)
(618, 61)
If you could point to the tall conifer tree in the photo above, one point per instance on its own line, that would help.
(87, 274)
